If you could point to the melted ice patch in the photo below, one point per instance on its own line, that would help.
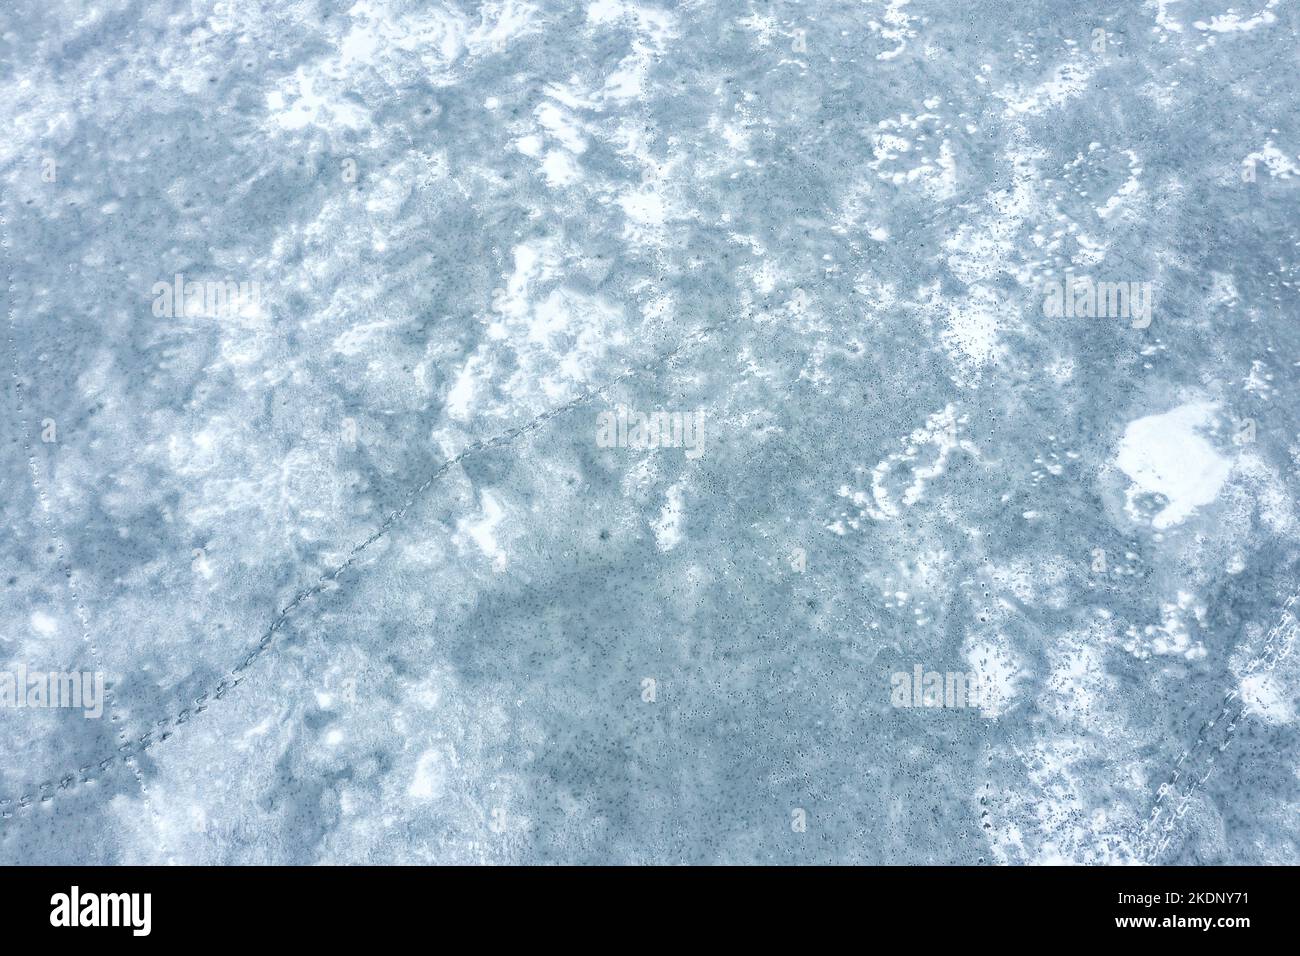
(1164, 454)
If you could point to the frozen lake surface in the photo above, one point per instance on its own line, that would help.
(718, 432)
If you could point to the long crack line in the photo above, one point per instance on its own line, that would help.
(1196, 763)
(161, 732)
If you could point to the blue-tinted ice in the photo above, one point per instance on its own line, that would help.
(718, 432)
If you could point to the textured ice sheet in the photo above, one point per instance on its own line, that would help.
(364, 582)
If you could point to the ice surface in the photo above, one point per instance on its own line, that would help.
(366, 586)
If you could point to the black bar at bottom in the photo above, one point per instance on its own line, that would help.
(337, 905)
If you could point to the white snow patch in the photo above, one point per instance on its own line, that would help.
(430, 779)
(668, 529)
(483, 531)
(1265, 699)
(1230, 22)
(1278, 163)
(1164, 454)
(460, 399)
